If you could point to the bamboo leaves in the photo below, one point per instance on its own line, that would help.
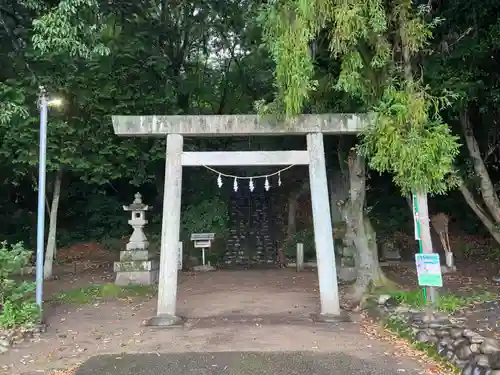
(375, 42)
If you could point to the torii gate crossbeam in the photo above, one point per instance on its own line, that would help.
(174, 128)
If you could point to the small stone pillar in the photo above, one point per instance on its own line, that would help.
(137, 263)
(300, 257)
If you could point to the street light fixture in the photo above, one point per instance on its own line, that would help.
(44, 103)
(56, 102)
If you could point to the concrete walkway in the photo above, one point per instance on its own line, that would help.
(241, 363)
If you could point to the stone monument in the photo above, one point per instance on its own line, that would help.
(346, 264)
(137, 263)
(390, 251)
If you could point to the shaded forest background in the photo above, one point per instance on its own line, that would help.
(192, 57)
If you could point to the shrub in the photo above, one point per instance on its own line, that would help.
(16, 297)
(209, 215)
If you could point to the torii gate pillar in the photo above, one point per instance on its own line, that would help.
(174, 127)
(170, 227)
(323, 233)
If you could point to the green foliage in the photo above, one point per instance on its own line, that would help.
(210, 215)
(11, 104)
(406, 139)
(416, 147)
(290, 28)
(203, 58)
(75, 27)
(466, 48)
(17, 307)
(96, 293)
(448, 303)
(113, 58)
(104, 218)
(288, 31)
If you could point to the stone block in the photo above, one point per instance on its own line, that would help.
(137, 245)
(347, 274)
(343, 317)
(131, 255)
(137, 278)
(347, 262)
(136, 265)
(165, 321)
(204, 268)
(390, 251)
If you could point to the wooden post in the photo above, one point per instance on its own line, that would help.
(323, 234)
(300, 257)
(167, 284)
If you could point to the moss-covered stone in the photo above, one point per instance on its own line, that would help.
(137, 255)
(136, 265)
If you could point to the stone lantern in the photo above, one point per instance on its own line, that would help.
(138, 240)
(137, 265)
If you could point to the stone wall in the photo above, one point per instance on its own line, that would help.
(279, 214)
(250, 239)
(467, 350)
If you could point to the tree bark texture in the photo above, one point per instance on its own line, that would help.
(51, 240)
(360, 232)
(479, 211)
(488, 192)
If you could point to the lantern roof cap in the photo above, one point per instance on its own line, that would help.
(137, 204)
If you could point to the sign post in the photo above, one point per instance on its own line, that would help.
(202, 241)
(426, 260)
(429, 270)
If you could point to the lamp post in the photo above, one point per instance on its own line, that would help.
(44, 103)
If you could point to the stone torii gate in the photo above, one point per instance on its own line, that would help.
(174, 128)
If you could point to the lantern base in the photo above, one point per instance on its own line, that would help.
(126, 278)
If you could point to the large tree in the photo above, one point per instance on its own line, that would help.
(126, 58)
(466, 61)
(378, 45)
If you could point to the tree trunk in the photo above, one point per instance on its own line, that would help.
(361, 233)
(478, 210)
(488, 192)
(423, 208)
(378, 276)
(51, 240)
(339, 191)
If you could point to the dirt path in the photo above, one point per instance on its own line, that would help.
(112, 328)
(263, 310)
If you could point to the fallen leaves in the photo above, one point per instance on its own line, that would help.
(404, 348)
(70, 371)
